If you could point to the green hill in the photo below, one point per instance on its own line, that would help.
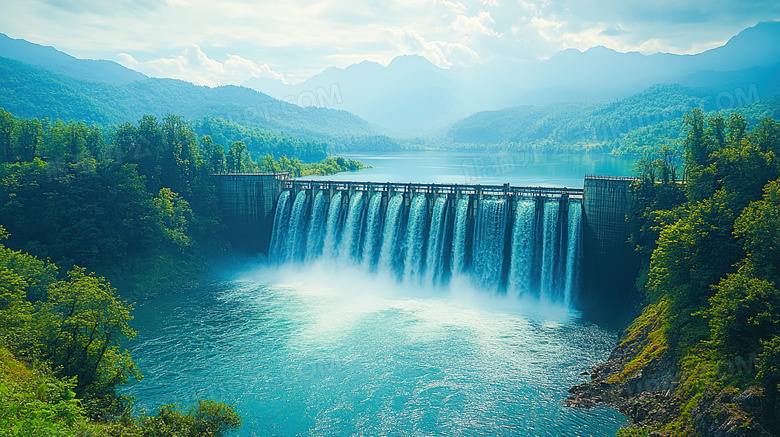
(636, 124)
(35, 92)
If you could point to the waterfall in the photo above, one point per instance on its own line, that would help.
(373, 230)
(488, 246)
(533, 250)
(353, 227)
(296, 233)
(459, 235)
(332, 227)
(573, 252)
(434, 257)
(522, 248)
(388, 255)
(417, 231)
(549, 245)
(315, 233)
(281, 224)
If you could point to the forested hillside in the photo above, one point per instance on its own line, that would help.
(703, 358)
(36, 92)
(638, 124)
(62, 360)
(133, 202)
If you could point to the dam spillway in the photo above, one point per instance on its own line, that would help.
(523, 241)
(560, 244)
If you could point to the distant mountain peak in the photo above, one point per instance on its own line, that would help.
(53, 59)
(411, 61)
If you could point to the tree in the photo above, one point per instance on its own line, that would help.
(769, 365)
(7, 126)
(65, 143)
(683, 267)
(268, 164)
(758, 228)
(235, 158)
(126, 143)
(215, 155)
(744, 312)
(206, 419)
(766, 136)
(96, 144)
(696, 144)
(81, 327)
(174, 214)
(28, 135)
(737, 128)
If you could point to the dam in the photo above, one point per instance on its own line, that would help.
(552, 243)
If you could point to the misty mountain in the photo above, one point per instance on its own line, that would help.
(31, 91)
(62, 63)
(411, 94)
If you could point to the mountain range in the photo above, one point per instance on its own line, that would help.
(598, 99)
(411, 95)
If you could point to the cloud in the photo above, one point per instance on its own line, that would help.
(456, 7)
(478, 24)
(193, 65)
(300, 38)
(441, 53)
(613, 30)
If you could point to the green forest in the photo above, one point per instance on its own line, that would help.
(135, 204)
(708, 236)
(634, 125)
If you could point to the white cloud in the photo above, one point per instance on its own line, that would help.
(441, 53)
(193, 65)
(246, 38)
(456, 7)
(548, 29)
(478, 24)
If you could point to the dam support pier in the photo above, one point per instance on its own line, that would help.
(247, 202)
(610, 264)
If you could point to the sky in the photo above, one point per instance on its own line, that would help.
(217, 43)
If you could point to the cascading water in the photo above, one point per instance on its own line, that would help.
(391, 235)
(299, 219)
(373, 237)
(333, 226)
(422, 243)
(353, 227)
(573, 253)
(417, 233)
(549, 236)
(434, 257)
(522, 248)
(281, 225)
(459, 235)
(488, 246)
(315, 232)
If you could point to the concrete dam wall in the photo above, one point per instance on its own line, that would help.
(576, 237)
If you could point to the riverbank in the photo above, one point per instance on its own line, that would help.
(654, 395)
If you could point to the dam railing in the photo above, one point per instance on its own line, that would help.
(508, 190)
